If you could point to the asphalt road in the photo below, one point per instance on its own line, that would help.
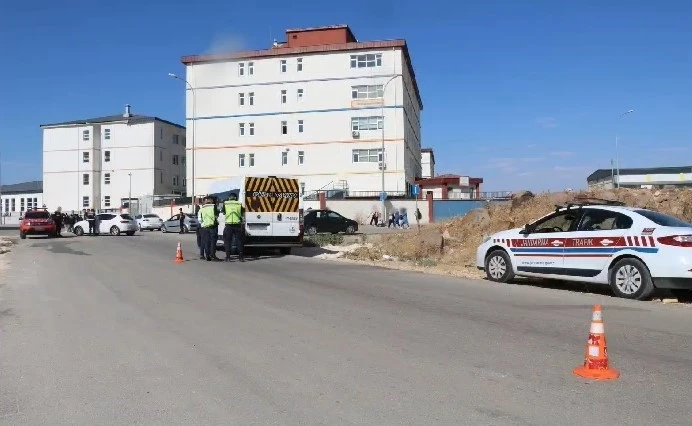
(110, 330)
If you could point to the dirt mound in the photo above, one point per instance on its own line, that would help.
(454, 242)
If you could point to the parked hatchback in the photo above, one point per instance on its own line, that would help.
(108, 223)
(318, 221)
(149, 222)
(37, 222)
(173, 224)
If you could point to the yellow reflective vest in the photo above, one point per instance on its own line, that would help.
(233, 212)
(207, 214)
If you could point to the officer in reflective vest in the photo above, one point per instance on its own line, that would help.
(208, 222)
(233, 211)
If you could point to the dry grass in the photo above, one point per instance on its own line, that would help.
(450, 247)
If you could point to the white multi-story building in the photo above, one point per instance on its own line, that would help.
(95, 163)
(427, 163)
(17, 198)
(317, 107)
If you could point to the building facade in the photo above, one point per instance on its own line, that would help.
(99, 163)
(427, 163)
(317, 107)
(652, 177)
(17, 198)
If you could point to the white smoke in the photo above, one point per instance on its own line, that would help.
(226, 43)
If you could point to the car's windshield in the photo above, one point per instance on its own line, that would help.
(150, 216)
(37, 215)
(663, 219)
(126, 216)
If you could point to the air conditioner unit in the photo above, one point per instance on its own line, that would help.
(355, 135)
(382, 165)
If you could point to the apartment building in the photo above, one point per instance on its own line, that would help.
(100, 162)
(318, 106)
(427, 163)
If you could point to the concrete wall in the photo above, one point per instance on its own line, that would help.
(326, 109)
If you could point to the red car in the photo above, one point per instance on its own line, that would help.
(37, 222)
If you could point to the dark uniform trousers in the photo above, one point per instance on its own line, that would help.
(230, 231)
(198, 231)
(208, 242)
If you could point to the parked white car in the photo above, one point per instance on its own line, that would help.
(149, 222)
(633, 250)
(109, 223)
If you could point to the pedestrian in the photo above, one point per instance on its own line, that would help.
(215, 236)
(97, 223)
(181, 218)
(91, 218)
(233, 230)
(208, 222)
(58, 219)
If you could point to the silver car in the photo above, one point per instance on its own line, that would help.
(149, 222)
(173, 224)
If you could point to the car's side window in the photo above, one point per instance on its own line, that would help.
(174, 218)
(333, 215)
(604, 220)
(559, 222)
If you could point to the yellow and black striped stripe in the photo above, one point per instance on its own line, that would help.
(271, 194)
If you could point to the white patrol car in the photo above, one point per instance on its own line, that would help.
(603, 242)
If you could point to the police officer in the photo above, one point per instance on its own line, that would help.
(208, 223)
(233, 211)
(198, 229)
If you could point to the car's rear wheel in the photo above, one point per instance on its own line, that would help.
(186, 229)
(630, 279)
(350, 229)
(139, 227)
(498, 267)
(22, 235)
(78, 231)
(312, 230)
(163, 229)
(115, 231)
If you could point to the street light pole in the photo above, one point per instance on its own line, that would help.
(194, 116)
(382, 194)
(617, 150)
(129, 196)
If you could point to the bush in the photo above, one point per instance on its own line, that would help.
(321, 240)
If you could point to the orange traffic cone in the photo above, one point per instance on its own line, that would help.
(596, 360)
(179, 254)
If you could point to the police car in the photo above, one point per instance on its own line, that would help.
(596, 241)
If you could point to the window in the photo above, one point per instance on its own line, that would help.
(241, 160)
(604, 220)
(35, 203)
(85, 157)
(85, 202)
(284, 158)
(251, 129)
(556, 222)
(241, 99)
(251, 98)
(85, 179)
(300, 95)
(302, 188)
(161, 133)
(299, 64)
(21, 208)
(283, 65)
(241, 69)
(175, 160)
(184, 141)
(85, 135)
(161, 155)
(366, 123)
(7, 204)
(161, 177)
(300, 126)
(283, 96)
(284, 128)
(107, 156)
(241, 129)
(106, 134)
(184, 182)
(367, 92)
(250, 68)
(184, 160)
(369, 60)
(367, 155)
(252, 160)
(301, 157)
(107, 201)
(13, 205)
(175, 180)
(176, 140)
(107, 179)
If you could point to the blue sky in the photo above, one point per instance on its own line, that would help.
(525, 94)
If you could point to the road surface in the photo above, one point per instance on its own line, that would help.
(110, 330)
